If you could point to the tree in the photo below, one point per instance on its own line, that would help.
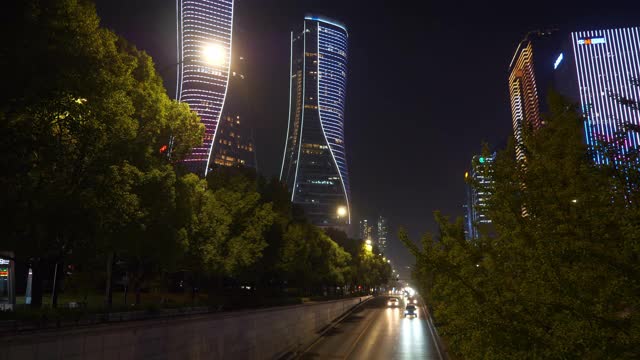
(559, 282)
(91, 115)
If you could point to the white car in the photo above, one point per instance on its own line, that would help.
(393, 302)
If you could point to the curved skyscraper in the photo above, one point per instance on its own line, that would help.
(204, 57)
(315, 165)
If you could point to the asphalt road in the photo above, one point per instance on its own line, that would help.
(375, 331)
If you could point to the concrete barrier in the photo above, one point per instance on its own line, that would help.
(258, 334)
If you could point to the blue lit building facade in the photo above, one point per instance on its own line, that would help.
(600, 70)
(314, 165)
(204, 58)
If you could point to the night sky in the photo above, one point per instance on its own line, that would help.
(427, 84)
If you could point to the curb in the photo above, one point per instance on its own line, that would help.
(442, 355)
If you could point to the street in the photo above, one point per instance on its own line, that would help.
(375, 331)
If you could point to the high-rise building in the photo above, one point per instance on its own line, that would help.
(527, 71)
(314, 164)
(366, 230)
(234, 144)
(600, 69)
(478, 193)
(204, 57)
(382, 233)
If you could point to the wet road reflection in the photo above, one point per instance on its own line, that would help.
(376, 331)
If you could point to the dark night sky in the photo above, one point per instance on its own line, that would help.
(426, 85)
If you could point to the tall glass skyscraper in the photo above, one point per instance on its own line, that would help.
(607, 68)
(204, 57)
(314, 164)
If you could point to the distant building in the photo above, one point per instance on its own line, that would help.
(234, 143)
(600, 69)
(479, 191)
(204, 58)
(529, 78)
(382, 233)
(366, 230)
(314, 164)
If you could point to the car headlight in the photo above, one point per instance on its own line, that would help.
(415, 301)
(389, 303)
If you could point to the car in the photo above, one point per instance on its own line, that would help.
(411, 310)
(412, 300)
(393, 302)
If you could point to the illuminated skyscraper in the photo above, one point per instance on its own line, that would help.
(382, 233)
(204, 58)
(234, 143)
(600, 69)
(526, 72)
(366, 230)
(478, 194)
(314, 164)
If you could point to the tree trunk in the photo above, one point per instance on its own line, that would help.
(108, 295)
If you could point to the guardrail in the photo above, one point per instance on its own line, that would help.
(440, 347)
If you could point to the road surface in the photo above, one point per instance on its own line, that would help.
(375, 331)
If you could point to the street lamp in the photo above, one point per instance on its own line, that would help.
(368, 246)
(214, 54)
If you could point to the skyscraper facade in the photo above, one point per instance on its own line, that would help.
(600, 69)
(314, 165)
(382, 233)
(366, 230)
(480, 188)
(234, 143)
(204, 58)
(529, 78)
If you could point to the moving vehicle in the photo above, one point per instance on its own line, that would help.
(410, 310)
(393, 302)
(412, 300)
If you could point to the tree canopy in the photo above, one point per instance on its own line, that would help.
(557, 280)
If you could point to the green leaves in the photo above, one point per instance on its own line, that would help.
(558, 282)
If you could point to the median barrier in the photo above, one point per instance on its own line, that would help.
(256, 334)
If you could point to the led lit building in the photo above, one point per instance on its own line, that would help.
(478, 193)
(382, 233)
(527, 71)
(366, 230)
(600, 69)
(234, 144)
(314, 165)
(204, 56)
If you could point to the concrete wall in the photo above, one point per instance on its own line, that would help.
(259, 334)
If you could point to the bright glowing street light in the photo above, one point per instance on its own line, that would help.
(368, 245)
(214, 54)
(342, 211)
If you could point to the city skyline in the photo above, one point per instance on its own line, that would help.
(380, 105)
